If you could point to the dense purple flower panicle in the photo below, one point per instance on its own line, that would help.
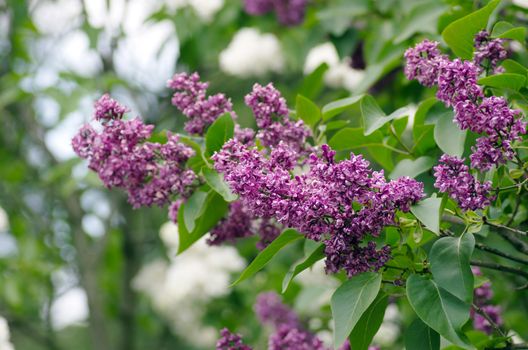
(230, 341)
(488, 52)
(457, 87)
(292, 338)
(106, 108)
(423, 62)
(271, 311)
(238, 224)
(482, 298)
(271, 114)
(267, 230)
(267, 105)
(453, 177)
(191, 99)
(340, 203)
(151, 173)
(289, 12)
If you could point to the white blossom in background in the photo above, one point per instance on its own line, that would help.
(181, 286)
(521, 3)
(5, 343)
(339, 73)
(4, 220)
(54, 17)
(205, 9)
(251, 53)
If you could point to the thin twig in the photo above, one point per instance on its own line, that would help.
(488, 318)
(507, 228)
(499, 267)
(500, 253)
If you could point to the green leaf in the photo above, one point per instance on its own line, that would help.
(350, 301)
(351, 138)
(337, 107)
(369, 323)
(439, 309)
(504, 81)
(448, 136)
(217, 183)
(449, 258)
(420, 336)
(307, 111)
(218, 133)
(374, 117)
(285, 238)
(506, 30)
(512, 66)
(459, 34)
(313, 255)
(214, 209)
(421, 19)
(314, 83)
(428, 211)
(412, 167)
(194, 207)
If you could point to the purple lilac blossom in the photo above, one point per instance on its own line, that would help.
(457, 87)
(230, 341)
(340, 203)
(271, 113)
(120, 154)
(190, 97)
(453, 177)
(289, 12)
(238, 224)
(271, 311)
(488, 52)
(292, 338)
(423, 62)
(107, 109)
(482, 298)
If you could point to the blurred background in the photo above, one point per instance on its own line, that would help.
(79, 268)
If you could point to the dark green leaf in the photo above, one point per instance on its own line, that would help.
(505, 30)
(448, 136)
(459, 34)
(218, 133)
(307, 111)
(420, 336)
(217, 183)
(421, 19)
(214, 209)
(313, 255)
(505, 81)
(439, 309)
(512, 66)
(369, 323)
(428, 211)
(285, 238)
(412, 167)
(449, 258)
(337, 107)
(351, 138)
(350, 301)
(194, 207)
(313, 83)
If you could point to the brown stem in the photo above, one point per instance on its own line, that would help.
(499, 267)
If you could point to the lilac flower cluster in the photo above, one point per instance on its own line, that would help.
(230, 341)
(241, 223)
(453, 177)
(151, 173)
(488, 52)
(482, 296)
(192, 100)
(340, 203)
(271, 113)
(289, 12)
(457, 87)
(288, 332)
